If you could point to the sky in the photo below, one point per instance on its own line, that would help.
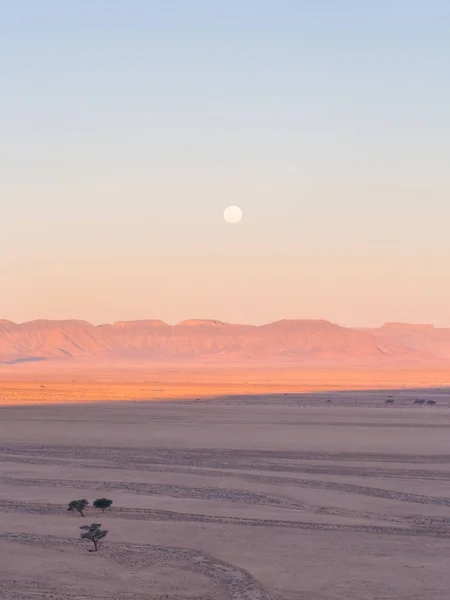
(126, 129)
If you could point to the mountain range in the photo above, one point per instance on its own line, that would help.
(294, 341)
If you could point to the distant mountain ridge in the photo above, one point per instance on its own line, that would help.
(295, 341)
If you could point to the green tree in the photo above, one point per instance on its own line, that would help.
(102, 503)
(93, 533)
(78, 505)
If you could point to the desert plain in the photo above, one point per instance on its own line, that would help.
(257, 494)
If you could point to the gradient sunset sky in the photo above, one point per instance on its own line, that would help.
(127, 127)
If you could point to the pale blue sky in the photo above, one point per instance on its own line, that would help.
(126, 127)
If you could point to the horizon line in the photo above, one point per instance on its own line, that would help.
(199, 321)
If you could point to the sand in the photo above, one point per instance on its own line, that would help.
(86, 381)
(304, 497)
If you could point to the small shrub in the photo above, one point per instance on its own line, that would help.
(102, 503)
(93, 533)
(78, 505)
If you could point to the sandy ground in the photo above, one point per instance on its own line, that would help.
(304, 497)
(86, 381)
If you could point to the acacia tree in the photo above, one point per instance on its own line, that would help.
(93, 533)
(78, 505)
(102, 503)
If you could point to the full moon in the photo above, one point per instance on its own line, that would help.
(232, 214)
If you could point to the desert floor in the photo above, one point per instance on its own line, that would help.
(329, 496)
(86, 381)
